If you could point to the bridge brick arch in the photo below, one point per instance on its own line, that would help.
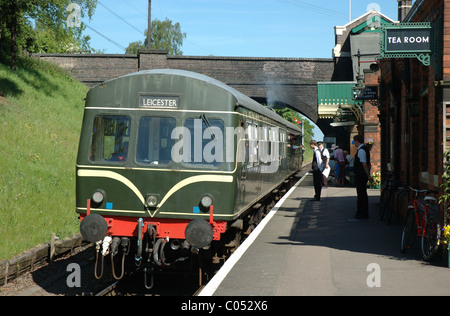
(288, 81)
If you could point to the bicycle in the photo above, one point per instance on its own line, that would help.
(394, 207)
(420, 223)
(390, 188)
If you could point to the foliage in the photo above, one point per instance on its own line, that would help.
(291, 115)
(134, 47)
(41, 108)
(376, 179)
(445, 197)
(40, 27)
(164, 35)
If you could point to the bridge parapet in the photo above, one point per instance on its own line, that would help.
(292, 81)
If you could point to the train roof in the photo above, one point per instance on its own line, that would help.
(242, 100)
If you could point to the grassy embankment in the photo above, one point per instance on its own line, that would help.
(41, 109)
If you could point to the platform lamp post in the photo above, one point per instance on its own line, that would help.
(360, 82)
(358, 90)
(358, 94)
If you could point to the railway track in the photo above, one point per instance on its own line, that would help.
(108, 290)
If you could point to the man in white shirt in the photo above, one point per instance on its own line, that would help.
(325, 166)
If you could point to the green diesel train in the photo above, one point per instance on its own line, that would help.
(171, 157)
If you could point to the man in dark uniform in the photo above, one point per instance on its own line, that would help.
(317, 173)
(362, 175)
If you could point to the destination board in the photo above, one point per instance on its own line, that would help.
(157, 101)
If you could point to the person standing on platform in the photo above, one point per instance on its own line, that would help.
(317, 173)
(325, 167)
(340, 164)
(362, 175)
(349, 161)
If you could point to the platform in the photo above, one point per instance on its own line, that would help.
(309, 248)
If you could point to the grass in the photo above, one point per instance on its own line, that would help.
(41, 109)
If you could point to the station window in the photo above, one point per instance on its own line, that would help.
(110, 138)
(154, 140)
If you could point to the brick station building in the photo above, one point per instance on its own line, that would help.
(409, 122)
(415, 103)
(336, 103)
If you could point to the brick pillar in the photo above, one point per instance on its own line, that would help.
(152, 59)
(372, 135)
(371, 123)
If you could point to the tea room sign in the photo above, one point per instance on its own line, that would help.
(407, 40)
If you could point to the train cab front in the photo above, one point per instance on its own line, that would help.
(151, 241)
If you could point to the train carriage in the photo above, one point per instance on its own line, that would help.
(178, 157)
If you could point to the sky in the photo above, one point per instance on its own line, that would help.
(244, 28)
(248, 28)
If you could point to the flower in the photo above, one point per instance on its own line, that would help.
(446, 234)
(376, 177)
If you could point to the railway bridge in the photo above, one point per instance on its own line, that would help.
(290, 82)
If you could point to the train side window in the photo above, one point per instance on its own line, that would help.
(274, 142)
(252, 144)
(206, 142)
(264, 145)
(282, 146)
(294, 143)
(110, 138)
(275, 150)
(154, 140)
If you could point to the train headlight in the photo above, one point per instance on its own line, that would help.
(151, 200)
(206, 201)
(98, 197)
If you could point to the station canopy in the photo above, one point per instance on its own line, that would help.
(335, 100)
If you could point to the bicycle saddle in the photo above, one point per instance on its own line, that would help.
(430, 199)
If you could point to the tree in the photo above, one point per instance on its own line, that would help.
(40, 26)
(13, 17)
(164, 35)
(134, 47)
(291, 115)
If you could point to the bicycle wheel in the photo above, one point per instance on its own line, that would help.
(430, 238)
(409, 232)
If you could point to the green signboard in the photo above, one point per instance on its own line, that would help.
(407, 40)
